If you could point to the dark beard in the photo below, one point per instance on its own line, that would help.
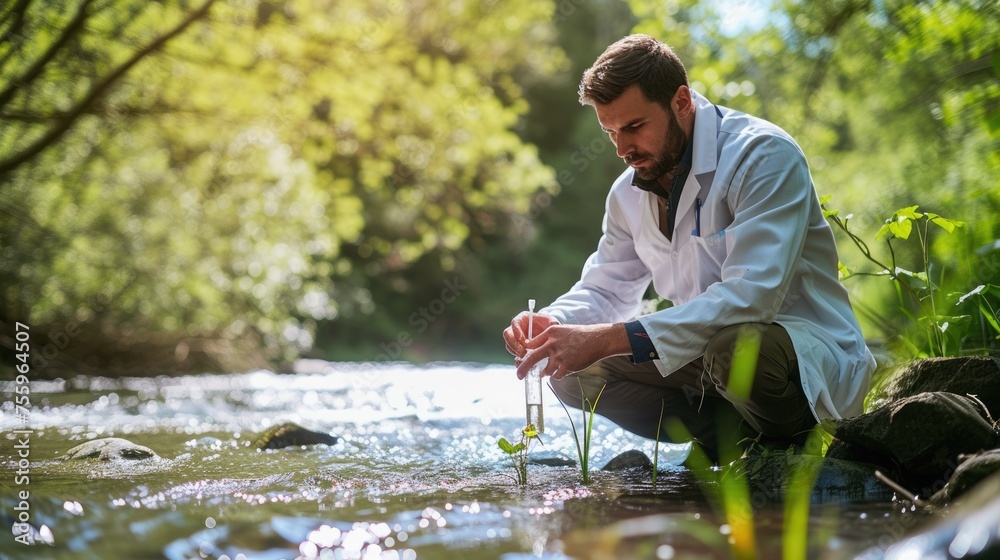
(666, 162)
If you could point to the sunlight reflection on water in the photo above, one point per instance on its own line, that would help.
(416, 473)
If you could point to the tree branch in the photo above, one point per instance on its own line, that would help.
(10, 164)
(103, 111)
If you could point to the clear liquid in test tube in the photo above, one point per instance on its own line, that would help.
(533, 382)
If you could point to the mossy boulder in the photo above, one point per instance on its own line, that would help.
(919, 437)
(967, 375)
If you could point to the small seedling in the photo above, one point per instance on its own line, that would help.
(518, 452)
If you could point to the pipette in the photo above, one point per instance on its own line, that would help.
(533, 381)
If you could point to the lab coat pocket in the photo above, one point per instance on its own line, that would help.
(707, 254)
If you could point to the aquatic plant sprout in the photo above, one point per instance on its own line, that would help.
(587, 409)
(518, 452)
(795, 535)
(656, 446)
(746, 351)
(726, 489)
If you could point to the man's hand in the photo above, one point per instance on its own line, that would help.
(571, 348)
(517, 332)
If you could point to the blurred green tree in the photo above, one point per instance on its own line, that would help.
(535, 253)
(241, 170)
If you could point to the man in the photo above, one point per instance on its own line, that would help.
(719, 212)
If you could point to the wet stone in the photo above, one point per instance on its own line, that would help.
(920, 436)
(109, 449)
(292, 435)
(972, 471)
(630, 459)
(551, 461)
(834, 480)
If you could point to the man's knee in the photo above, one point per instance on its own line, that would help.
(721, 352)
(567, 390)
(573, 389)
(722, 345)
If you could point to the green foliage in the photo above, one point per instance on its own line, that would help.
(985, 296)
(801, 479)
(226, 168)
(894, 104)
(518, 453)
(255, 170)
(939, 333)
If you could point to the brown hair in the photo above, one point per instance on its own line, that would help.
(635, 59)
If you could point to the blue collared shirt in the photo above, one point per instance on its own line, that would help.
(642, 346)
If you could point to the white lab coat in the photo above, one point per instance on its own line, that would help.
(765, 254)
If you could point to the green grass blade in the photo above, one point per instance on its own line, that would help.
(656, 446)
(745, 355)
(795, 533)
(572, 426)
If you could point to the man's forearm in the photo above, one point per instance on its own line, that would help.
(616, 340)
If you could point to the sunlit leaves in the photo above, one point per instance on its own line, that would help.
(842, 271)
(220, 181)
(944, 223)
(901, 223)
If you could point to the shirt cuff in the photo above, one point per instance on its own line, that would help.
(642, 346)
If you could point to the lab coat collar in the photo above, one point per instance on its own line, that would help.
(705, 152)
(706, 132)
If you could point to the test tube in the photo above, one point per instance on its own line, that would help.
(533, 382)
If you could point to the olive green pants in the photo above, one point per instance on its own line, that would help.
(699, 394)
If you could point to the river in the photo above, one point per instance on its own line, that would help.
(417, 473)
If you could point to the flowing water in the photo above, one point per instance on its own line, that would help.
(416, 474)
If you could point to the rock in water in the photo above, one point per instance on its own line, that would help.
(292, 435)
(921, 435)
(967, 475)
(551, 461)
(833, 480)
(107, 449)
(631, 459)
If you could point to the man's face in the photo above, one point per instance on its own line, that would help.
(645, 133)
